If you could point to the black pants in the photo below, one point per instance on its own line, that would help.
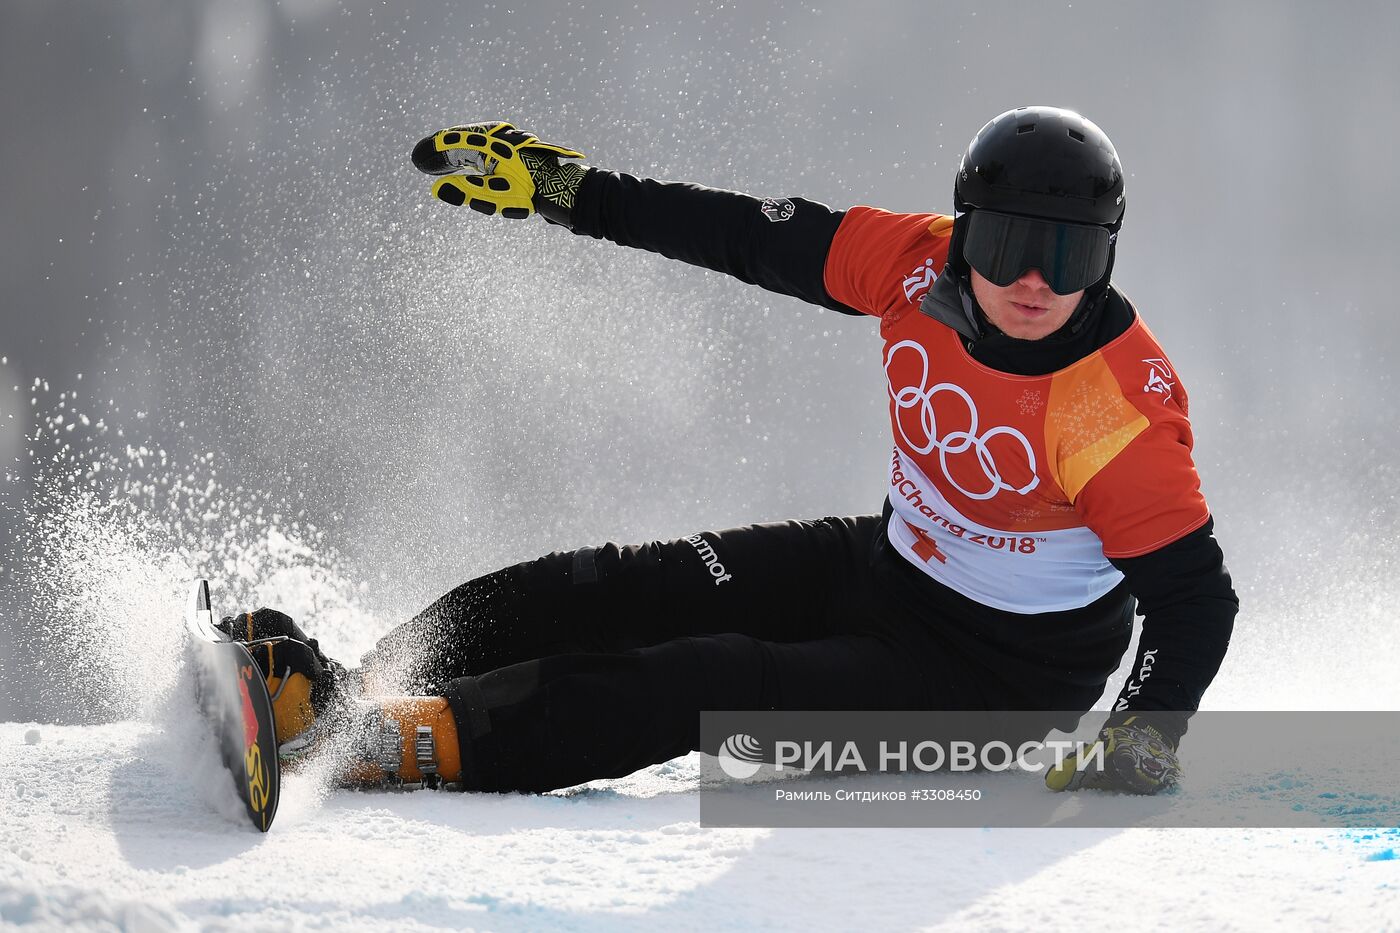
(598, 662)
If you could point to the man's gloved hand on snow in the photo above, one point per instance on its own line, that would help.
(1139, 758)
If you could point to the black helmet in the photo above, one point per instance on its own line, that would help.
(1039, 187)
(1042, 162)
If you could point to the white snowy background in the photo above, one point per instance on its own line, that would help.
(238, 339)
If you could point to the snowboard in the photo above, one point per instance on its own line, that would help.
(232, 698)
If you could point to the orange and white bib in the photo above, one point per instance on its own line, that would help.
(1015, 490)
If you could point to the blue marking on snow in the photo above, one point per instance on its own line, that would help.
(1374, 838)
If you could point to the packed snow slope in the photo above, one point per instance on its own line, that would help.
(128, 826)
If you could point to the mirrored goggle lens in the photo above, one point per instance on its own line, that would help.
(1003, 246)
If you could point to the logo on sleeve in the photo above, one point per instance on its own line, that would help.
(1159, 378)
(777, 209)
(918, 282)
(1134, 687)
(711, 559)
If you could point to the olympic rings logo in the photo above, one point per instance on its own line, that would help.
(952, 443)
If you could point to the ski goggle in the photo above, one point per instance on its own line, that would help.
(1003, 246)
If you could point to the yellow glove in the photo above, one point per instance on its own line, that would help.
(1137, 759)
(494, 168)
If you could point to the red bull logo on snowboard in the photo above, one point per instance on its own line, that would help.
(255, 771)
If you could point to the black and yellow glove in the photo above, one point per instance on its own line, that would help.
(494, 168)
(1138, 758)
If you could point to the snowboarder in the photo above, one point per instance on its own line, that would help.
(1041, 486)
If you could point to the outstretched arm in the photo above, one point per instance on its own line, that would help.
(780, 244)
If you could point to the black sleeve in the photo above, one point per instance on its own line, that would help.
(1188, 606)
(779, 244)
